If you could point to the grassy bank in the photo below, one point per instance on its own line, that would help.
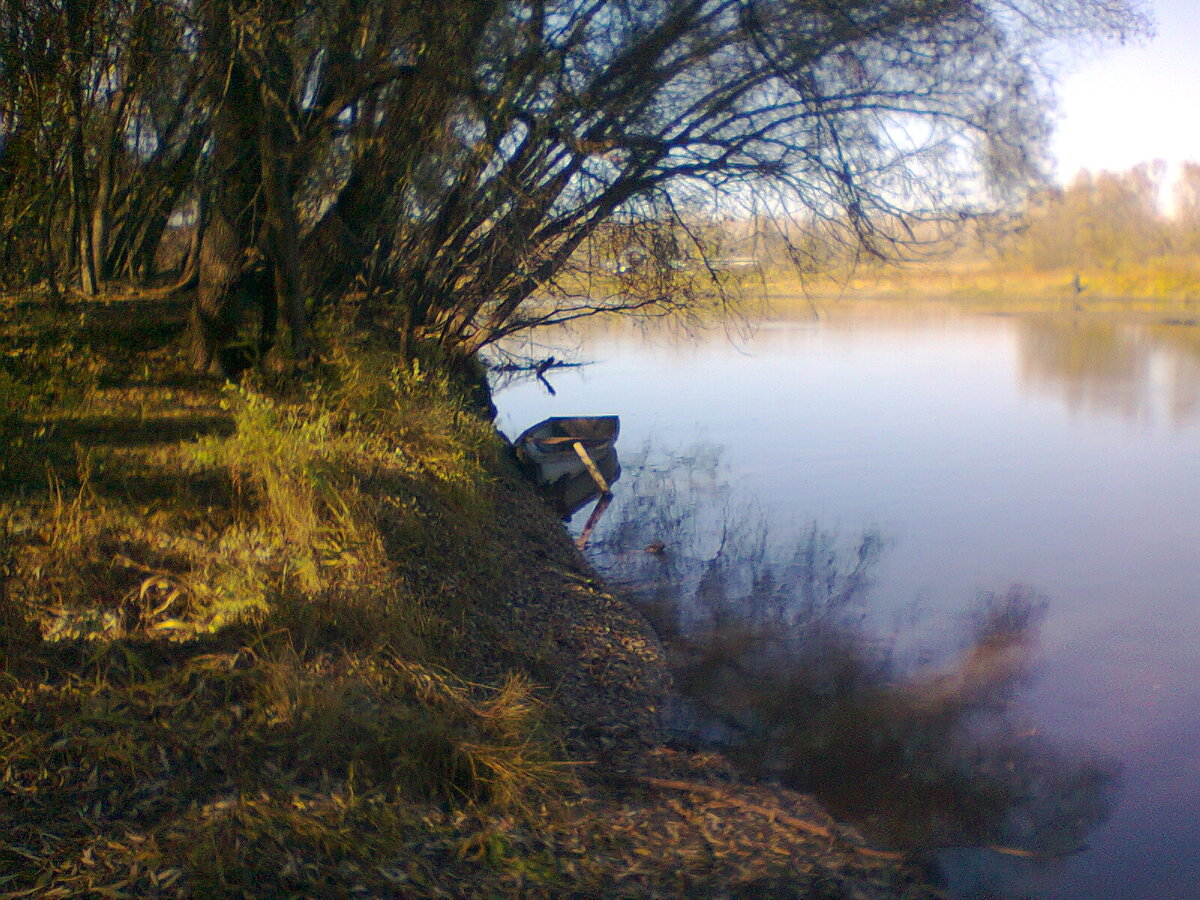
(1168, 286)
(319, 638)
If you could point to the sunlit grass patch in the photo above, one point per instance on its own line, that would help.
(1120, 286)
(332, 507)
(93, 568)
(325, 508)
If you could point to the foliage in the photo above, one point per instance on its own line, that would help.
(1101, 221)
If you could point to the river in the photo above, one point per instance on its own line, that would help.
(1060, 455)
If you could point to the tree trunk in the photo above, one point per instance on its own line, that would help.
(83, 233)
(214, 314)
(101, 212)
(189, 273)
(283, 241)
(235, 195)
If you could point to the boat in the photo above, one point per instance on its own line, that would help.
(551, 451)
(549, 447)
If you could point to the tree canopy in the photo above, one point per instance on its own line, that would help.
(464, 165)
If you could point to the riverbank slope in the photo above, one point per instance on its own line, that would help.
(320, 638)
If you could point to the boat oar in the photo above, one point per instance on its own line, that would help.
(581, 451)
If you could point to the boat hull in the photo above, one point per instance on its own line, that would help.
(549, 447)
(548, 450)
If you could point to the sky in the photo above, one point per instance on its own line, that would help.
(1124, 105)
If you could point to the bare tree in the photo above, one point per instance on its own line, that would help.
(471, 168)
(98, 137)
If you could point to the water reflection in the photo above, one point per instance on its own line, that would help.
(777, 663)
(980, 473)
(1136, 370)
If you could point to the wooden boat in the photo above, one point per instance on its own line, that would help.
(573, 459)
(549, 447)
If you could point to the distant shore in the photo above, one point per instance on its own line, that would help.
(1150, 290)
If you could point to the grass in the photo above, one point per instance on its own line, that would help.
(318, 638)
(228, 616)
(1152, 286)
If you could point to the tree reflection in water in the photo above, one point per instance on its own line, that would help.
(777, 666)
(1136, 370)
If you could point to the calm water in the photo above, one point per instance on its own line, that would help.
(986, 451)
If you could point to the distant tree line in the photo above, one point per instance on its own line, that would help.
(1108, 220)
(460, 166)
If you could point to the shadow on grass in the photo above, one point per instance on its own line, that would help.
(121, 431)
(39, 454)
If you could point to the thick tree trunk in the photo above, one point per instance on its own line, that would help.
(235, 197)
(69, 243)
(88, 282)
(189, 272)
(99, 240)
(81, 234)
(214, 314)
(102, 210)
(283, 236)
(336, 247)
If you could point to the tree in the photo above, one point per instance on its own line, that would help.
(1187, 207)
(98, 144)
(1100, 220)
(461, 166)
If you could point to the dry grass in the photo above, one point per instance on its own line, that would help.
(224, 616)
(1153, 286)
(287, 640)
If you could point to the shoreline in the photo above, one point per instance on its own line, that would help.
(324, 638)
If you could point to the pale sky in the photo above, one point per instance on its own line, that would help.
(1131, 104)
